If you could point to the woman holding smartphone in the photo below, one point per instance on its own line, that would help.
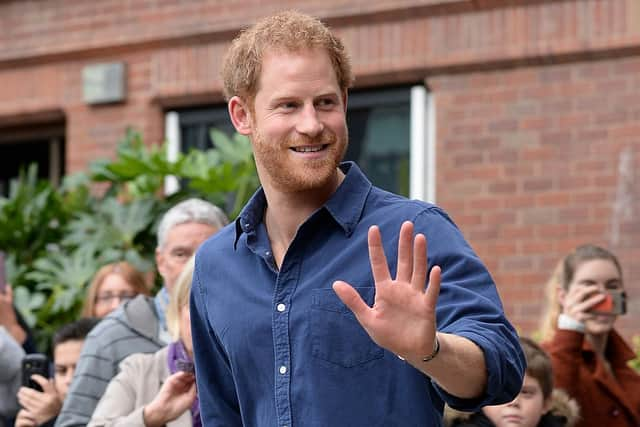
(585, 297)
(157, 389)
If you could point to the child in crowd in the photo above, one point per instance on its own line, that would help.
(40, 408)
(537, 405)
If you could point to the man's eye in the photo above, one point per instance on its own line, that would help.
(288, 105)
(326, 103)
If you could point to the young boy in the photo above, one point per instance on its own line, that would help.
(537, 404)
(40, 408)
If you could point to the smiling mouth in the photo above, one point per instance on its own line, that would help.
(309, 149)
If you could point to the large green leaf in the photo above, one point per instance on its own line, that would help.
(56, 238)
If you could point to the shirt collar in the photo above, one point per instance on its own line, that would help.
(345, 205)
(251, 215)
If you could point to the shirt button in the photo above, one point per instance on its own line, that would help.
(615, 412)
(283, 370)
(281, 307)
(267, 253)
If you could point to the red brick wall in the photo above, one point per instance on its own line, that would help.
(537, 104)
(536, 160)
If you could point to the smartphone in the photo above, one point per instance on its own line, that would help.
(183, 365)
(614, 303)
(3, 274)
(34, 363)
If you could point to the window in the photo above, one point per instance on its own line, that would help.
(21, 146)
(379, 136)
(386, 136)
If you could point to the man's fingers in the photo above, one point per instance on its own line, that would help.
(419, 273)
(352, 299)
(378, 260)
(433, 290)
(405, 253)
(27, 397)
(25, 419)
(43, 382)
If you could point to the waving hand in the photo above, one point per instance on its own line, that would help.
(402, 318)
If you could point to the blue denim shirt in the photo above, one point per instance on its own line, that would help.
(278, 347)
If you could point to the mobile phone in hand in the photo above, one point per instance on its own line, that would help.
(3, 274)
(183, 365)
(614, 303)
(34, 363)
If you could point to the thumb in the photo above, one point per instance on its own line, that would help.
(351, 298)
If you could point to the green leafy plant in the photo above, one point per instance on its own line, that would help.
(57, 238)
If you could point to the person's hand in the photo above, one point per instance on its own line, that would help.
(403, 316)
(41, 406)
(8, 317)
(176, 395)
(579, 299)
(25, 419)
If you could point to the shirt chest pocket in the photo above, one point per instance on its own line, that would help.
(336, 335)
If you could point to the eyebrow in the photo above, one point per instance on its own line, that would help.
(181, 248)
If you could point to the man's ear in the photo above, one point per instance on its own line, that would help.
(160, 261)
(240, 115)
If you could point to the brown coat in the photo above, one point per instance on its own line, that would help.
(603, 399)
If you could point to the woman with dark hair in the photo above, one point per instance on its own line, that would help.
(585, 297)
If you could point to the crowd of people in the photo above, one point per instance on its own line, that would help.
(305, 311)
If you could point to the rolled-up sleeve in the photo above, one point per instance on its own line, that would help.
(469, 306)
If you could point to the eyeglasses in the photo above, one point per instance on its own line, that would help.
(109, 297)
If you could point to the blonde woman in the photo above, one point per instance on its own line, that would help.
(157, 389)
(585, 297)
(112, 285)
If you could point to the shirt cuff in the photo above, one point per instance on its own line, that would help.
(568, 323)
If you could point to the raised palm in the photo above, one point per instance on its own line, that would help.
(402, 318)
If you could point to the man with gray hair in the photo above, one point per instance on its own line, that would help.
(139, 325)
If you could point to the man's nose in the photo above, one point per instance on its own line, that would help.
(309, 123)
(69, 376)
